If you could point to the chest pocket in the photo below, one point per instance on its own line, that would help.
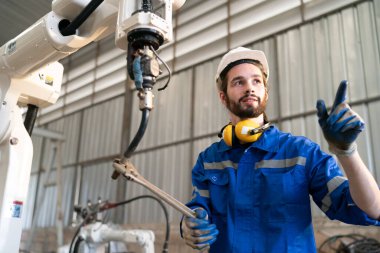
(283, 193)
(218, 189)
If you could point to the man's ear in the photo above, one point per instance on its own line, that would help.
(222, 97)
(266, 94)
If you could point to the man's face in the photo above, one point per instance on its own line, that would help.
(246, 93)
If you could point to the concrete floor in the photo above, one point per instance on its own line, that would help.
(45, 238)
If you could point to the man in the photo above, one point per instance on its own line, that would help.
(254, 196)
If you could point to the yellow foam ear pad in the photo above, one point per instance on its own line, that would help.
(227, 135)
(242, 129)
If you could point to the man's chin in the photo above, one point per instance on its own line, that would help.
(249, 104)
(250, 112)
(248, 108)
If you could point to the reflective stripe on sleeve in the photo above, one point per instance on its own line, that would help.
(202, 193)
(331, 186)
(220, 165)
(276, 164)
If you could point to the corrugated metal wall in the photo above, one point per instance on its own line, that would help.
(308, 56)
(166, 168)
(314, 58)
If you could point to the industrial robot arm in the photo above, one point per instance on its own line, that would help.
(95, 234)
(31, 75)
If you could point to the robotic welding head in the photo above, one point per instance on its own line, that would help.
(144, 28)
(149, 23)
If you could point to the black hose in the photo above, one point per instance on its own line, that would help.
(166, 66)
(75, 236)
(30, 118)
(367, 245)
(140, 133)
(79, 20)
(77, 244)
(359, 244)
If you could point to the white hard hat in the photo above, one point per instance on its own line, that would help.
(237, 56)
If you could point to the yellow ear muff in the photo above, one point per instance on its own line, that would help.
(227, 134)
(242, 130)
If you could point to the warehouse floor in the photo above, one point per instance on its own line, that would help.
(45, 239)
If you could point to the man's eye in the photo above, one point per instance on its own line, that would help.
(238, 82)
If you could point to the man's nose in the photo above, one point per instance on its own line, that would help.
(249, 88)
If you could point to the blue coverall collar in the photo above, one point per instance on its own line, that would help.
(268, 141)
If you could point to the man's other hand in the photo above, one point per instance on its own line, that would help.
(342, 126)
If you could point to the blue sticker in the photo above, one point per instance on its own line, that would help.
(16, 209)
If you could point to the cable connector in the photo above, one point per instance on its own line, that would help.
(146, 99)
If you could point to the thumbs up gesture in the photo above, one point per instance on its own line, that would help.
(342, 126)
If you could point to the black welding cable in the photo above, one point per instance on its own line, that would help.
(366, 245)
(79, 20)
(77, 244)
(334, 238)
(140, 133)
(166, 66)
(75, 237)
(359, 244)
(30, 118)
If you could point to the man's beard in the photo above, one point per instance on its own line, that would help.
(249, 112)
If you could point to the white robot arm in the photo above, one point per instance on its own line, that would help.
(54, 36)
(97, 235)
(43, 42)
(50, 38)
(31, 75)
